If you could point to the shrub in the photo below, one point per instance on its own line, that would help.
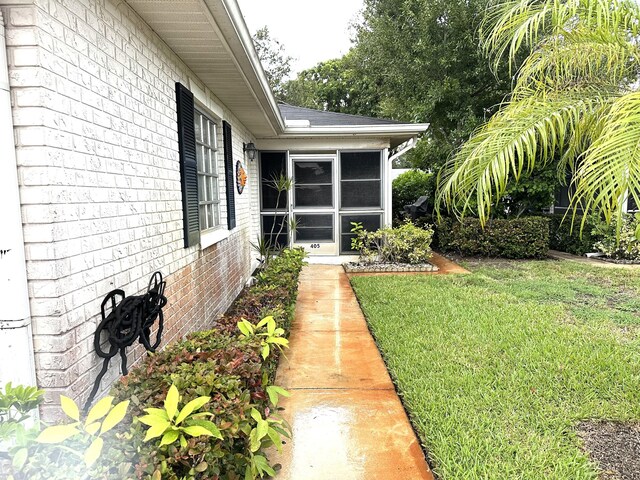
(626, 245)
(224, 368)
(409, 186)
(404, 244)
(226, 375)
(514, 238)
(564, 238)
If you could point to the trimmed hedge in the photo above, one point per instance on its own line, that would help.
(216, 363)
(563, 239)
(526, 237)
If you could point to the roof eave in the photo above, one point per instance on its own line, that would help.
(248, 57)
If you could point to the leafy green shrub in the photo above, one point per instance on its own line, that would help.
(564, 238)
(228, 370)
(80, 449)
(221, 380)
(404, 244)
(626, 245)
(526, 237)
(283, 270)
(410, 186)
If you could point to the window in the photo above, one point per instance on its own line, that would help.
(313, 183)
(275, 229)
(360, 180)
(314, 227)
(207, 161)
(199, 175)
(370, 222)
(272, 166)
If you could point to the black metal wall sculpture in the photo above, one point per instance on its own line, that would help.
(125, 319)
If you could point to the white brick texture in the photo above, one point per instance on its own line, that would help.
(93, 95)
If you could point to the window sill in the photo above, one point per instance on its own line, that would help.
(211, 237)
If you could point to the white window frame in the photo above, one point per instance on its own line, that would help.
(216, 233)
(208, 147)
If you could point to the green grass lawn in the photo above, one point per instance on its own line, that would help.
(497, 368)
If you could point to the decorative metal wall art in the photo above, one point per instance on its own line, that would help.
(125, 320)
(241, 177)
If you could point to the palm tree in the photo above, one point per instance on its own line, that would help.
(575, 102)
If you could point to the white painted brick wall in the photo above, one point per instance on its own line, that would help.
(93, 93)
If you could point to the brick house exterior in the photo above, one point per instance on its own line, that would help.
(93, 113)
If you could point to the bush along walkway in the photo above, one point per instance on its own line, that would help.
(346, 418)
(201, 408)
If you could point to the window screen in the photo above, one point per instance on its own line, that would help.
(272, 165)
(360, 180)
(369, 222)
(275, 229)
(314, 228)
(313, 184)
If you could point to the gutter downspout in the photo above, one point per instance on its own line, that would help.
(17, 363)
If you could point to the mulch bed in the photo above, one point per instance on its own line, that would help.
(615, 447)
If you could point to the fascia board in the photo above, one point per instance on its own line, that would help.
(341, 130)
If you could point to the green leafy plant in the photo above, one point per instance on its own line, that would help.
(268, 245)
(101, 418)
(172, 424)
(404, 244)
(274, 392)
(622, 245)
(271, 336)
(268, 431)
(16, 404)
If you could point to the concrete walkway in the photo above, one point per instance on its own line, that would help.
(594, 262)
(347, 421)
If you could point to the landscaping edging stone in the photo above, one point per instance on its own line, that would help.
(353, 267)
(618, 261)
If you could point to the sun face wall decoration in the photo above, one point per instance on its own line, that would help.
(241, 177)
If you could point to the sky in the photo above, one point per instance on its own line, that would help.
(310, 30)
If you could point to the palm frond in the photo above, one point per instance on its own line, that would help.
(610, 168)
(522, 133)
(582, 57)
(514, 25)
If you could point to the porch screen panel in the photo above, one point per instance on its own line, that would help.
(314, 227)
(369, 221)
(272, 165)
(313, 184)
(360, 180)
(271, 228)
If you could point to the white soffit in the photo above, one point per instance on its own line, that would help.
(211, 38)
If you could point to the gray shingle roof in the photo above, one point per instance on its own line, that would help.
(319, 118)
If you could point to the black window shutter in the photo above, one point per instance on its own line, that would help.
(228, 175)
(188, 165)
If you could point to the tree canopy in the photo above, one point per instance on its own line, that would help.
(416, 61)
(275, 61)
(337, 85)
